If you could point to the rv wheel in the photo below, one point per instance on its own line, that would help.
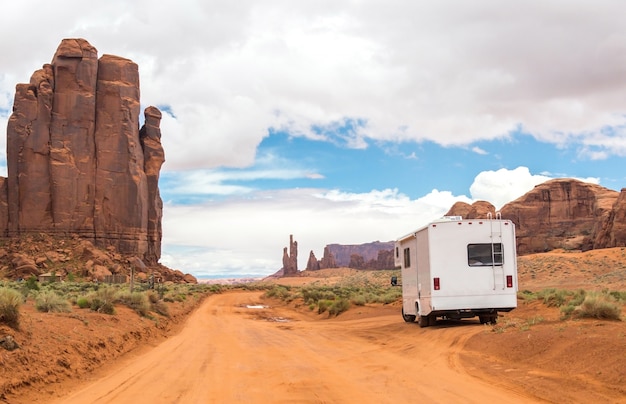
(424, 321)
(409, 318)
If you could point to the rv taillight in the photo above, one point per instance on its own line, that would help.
(509, 281)
(436, 283)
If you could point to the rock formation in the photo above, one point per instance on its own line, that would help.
(312, 264)
(328, 259)
(612, 231)
(78, 164)
(477, 210)
(560, 213)
(374, 255)
(369, 251)
(567, 213)
(290, 260)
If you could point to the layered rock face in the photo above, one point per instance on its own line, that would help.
(375, 255)
(560, 213)
(342, 253)
(78, 164)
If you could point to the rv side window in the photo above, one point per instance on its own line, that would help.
(479, 255)
(407, 258)
(397, 252)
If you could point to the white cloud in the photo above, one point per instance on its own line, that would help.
(478, 150)
(247, 235)
(229, 71)
(447, 72)
(504, 185)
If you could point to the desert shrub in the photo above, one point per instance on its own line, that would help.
(390, 296)
(153, 297)
(553, 297)
(48, 301)
(619, 296)
(32, 283)
(10, 301)
(279, 291)
(82, 302)
(161, 308)
(137, 301)
(577, 298)
(338, 306)
(315, 294)
(359, 300)
(323, 305)
(103, 300)
(599, 305)
(527, 295)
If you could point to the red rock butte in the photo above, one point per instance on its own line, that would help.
(78, 163)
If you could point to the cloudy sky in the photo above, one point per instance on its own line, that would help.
(346, 121)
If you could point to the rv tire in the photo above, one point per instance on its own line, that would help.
(424, 321)
(409, 318)
(492, 319)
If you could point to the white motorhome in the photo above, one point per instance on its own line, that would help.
(455, 268)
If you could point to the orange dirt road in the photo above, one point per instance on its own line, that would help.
(228, 353)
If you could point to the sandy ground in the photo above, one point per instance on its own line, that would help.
(228, 352)
(241, 347)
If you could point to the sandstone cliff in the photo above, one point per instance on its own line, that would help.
(78, 163)
(566, 213)
(560, 213)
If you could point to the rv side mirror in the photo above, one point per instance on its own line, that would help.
(394, 281)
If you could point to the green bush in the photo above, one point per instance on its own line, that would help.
(359, 300)
(83, 302)
(32, 283)
(553, 297)
(323, 305)
(48, 301)
(279, 291)
(10, 301)
(137, 301)
(338, 307)
(619, 296)
(599, 305)
(103, 300)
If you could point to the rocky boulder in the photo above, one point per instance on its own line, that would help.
(477, 210)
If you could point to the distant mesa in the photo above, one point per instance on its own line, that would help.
(558, 214)
(78, 163)
(375, 255)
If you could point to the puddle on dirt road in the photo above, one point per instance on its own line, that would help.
(265, 317)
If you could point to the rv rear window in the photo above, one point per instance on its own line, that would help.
(480, 255)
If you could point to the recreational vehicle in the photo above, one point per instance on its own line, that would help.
(454, 268)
